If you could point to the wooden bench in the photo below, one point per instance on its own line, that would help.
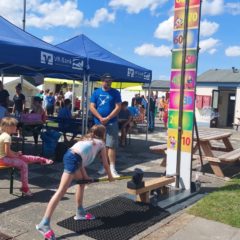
(229, 157)
(143, 194)
(236, 125)
(2, 167)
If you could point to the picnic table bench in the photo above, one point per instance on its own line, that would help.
(143, 194)
(229, 157)
(205, 138)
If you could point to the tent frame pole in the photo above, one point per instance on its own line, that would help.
(148, 108)
(73, 96)
(24, 14)
(83, 98)
(87, 103)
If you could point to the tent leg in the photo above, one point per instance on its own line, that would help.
(148, 107)
(83, 107)
(73, 96)
(87, 104)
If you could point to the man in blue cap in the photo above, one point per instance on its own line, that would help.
(105, 105)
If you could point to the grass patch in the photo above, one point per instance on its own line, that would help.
(223, 205)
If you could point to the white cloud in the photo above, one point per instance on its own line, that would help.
(233, 51)
(208, 45)
(43, 14)
(165, 30)
(212, 51)
(12, 10)
(48, 39)
(212, 7)
(136, 6)
(233, 8)
(55, 13)
(207, 28)
(101, 15)
(153, 51)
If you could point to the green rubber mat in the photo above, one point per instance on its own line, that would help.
(119, 219)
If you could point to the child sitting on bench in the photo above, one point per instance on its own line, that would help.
(16, 159)
(75, 160)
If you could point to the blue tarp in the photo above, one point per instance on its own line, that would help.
(101, 61)
(23, 53)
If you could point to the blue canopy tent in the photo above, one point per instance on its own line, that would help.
(25, 54)
(101, 61)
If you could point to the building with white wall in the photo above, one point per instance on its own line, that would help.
(218, 97)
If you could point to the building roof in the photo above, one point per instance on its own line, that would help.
(158, 85)
(220, 76)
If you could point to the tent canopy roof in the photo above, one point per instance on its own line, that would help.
(102, 61)
(23, 53)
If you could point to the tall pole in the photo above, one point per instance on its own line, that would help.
(24, 15)
(24, 27)
(180, 122)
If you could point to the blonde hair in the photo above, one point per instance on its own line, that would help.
(8, 122)
(96, 131)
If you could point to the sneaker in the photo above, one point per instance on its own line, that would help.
(26, 192)
(49, 234)
(87, 216)
(114, 173)
(101, 170)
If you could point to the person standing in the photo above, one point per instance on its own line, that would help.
(151, 123)
(50, 103)
(4, 96)
(46, 93)
(105, 105)
(161, 104)
(69, 94)
(19, 101)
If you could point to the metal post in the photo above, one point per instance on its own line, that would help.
(87, 103)
(24, 15)
(24, 27)
(194, 114)
(92, 88)
(184, 53)
(73, 96)
(148, 108)
(83, 100)
(2, 75)
(120, 87)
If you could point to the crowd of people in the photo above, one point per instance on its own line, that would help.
(156, 104)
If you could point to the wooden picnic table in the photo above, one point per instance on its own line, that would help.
(206, 138)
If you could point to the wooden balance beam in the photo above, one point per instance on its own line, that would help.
(143, 194)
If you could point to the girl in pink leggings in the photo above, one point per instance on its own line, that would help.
(16, 159)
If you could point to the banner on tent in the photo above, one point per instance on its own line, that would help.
(190, 68)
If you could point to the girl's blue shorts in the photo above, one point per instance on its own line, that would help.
(72, 162)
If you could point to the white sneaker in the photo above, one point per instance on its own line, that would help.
(114, 173)
(101, 170)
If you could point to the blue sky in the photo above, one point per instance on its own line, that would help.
(137, 30)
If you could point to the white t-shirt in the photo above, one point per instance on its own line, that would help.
(4, 138)
(88, 150)
(68, 95)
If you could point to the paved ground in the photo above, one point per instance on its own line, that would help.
(18, 216)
